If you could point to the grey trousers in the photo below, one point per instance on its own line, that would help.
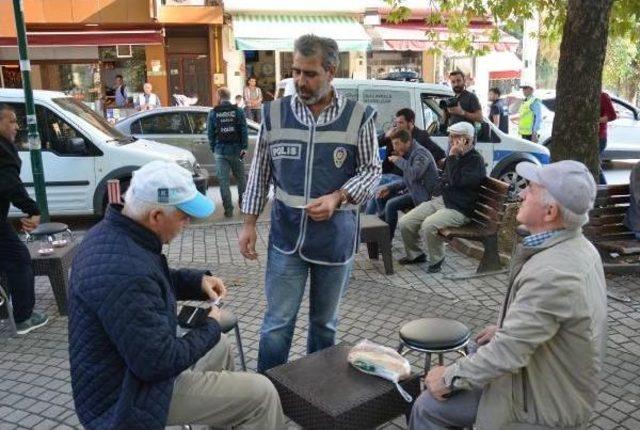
(210, 393)
(457, 412)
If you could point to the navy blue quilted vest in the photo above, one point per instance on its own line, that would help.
(308, 162)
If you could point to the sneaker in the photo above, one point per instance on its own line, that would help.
(419, 259)
(435, 267)
(35, 321)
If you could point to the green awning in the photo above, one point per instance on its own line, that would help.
(277, 32)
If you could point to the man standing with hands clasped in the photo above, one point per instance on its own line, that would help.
(320, 151)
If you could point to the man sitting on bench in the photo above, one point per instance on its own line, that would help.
(632, 218)
(457, 192)
(419, 177)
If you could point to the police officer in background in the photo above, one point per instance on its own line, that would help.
(227, 130)
(530, 114)
(320, 151)
(499, 111)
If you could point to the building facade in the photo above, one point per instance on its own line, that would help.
(80, 46)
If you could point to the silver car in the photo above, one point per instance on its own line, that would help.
(185, 127)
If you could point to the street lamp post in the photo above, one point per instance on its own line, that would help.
(32, 125)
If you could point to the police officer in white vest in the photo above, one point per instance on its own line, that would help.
(320, 152)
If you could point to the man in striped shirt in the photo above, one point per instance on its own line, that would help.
(320, 152)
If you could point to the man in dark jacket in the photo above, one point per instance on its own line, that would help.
(463, 175)
(129, 369)
(15, 260)
(419, 177)
(228, 137)
(405, 120)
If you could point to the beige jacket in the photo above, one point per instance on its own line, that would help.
(542, 369)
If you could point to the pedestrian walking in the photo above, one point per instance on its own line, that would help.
(228, 138)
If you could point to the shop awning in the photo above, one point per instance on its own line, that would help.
(89, 38)
(412, 36)
(278, 32)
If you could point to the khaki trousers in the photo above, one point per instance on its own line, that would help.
(210, 393)
(423, 222)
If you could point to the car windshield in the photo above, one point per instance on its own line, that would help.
(83, 111)
(550, 104)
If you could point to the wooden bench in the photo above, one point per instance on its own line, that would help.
(484, 226)
(617, 245)
(375, 233)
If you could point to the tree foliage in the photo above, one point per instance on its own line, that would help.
(457, 15)
(622, 67)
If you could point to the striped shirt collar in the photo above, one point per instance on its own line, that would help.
(538, 239)
(304, 114)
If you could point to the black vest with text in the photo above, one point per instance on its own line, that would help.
(227, 129)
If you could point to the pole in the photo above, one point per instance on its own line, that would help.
(32, 125)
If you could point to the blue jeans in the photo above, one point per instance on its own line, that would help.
(373, 205)
(225, 165)
(285, 282)
(391, 208)
(602, 145)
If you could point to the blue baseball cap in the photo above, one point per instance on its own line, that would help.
(167, 184)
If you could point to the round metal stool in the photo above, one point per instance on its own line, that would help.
(434, 336)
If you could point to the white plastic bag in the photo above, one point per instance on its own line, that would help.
(381, 361)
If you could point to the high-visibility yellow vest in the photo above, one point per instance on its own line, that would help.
(525, 128)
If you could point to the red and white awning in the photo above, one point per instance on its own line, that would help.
(412, 36)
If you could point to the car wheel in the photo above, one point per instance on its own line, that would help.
(124, 185)
(516, 182)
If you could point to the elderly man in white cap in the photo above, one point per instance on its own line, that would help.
(453, 203)
(540, 366)
(129, 368)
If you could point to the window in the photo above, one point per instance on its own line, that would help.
(167, 123)
(62, 138)
(433, 116)
(136, 128)
(622, 111)
(198, 122)
(550, 104)
(22, 138)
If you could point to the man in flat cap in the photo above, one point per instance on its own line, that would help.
(540, 366)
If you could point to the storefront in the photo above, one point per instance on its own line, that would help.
(82, 63)
(261, 46)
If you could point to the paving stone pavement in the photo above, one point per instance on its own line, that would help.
(35, 391)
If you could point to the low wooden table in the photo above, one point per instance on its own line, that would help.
(323, 391)
(56, 267)
(375, 233)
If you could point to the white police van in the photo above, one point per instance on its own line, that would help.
(81, 151)
(501, 151)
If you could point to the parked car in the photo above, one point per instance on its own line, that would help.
(623, 134)
(184, 127)
(501, 151)
(81, 151)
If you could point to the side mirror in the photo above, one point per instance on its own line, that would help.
(77, 145)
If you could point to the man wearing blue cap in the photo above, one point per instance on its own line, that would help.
(129, 369)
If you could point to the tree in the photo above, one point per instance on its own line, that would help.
(584, 26)
(622, 68)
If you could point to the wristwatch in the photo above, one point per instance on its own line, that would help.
(344, 196)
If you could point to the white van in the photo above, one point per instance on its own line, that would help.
(81, 151)
(501, 151)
